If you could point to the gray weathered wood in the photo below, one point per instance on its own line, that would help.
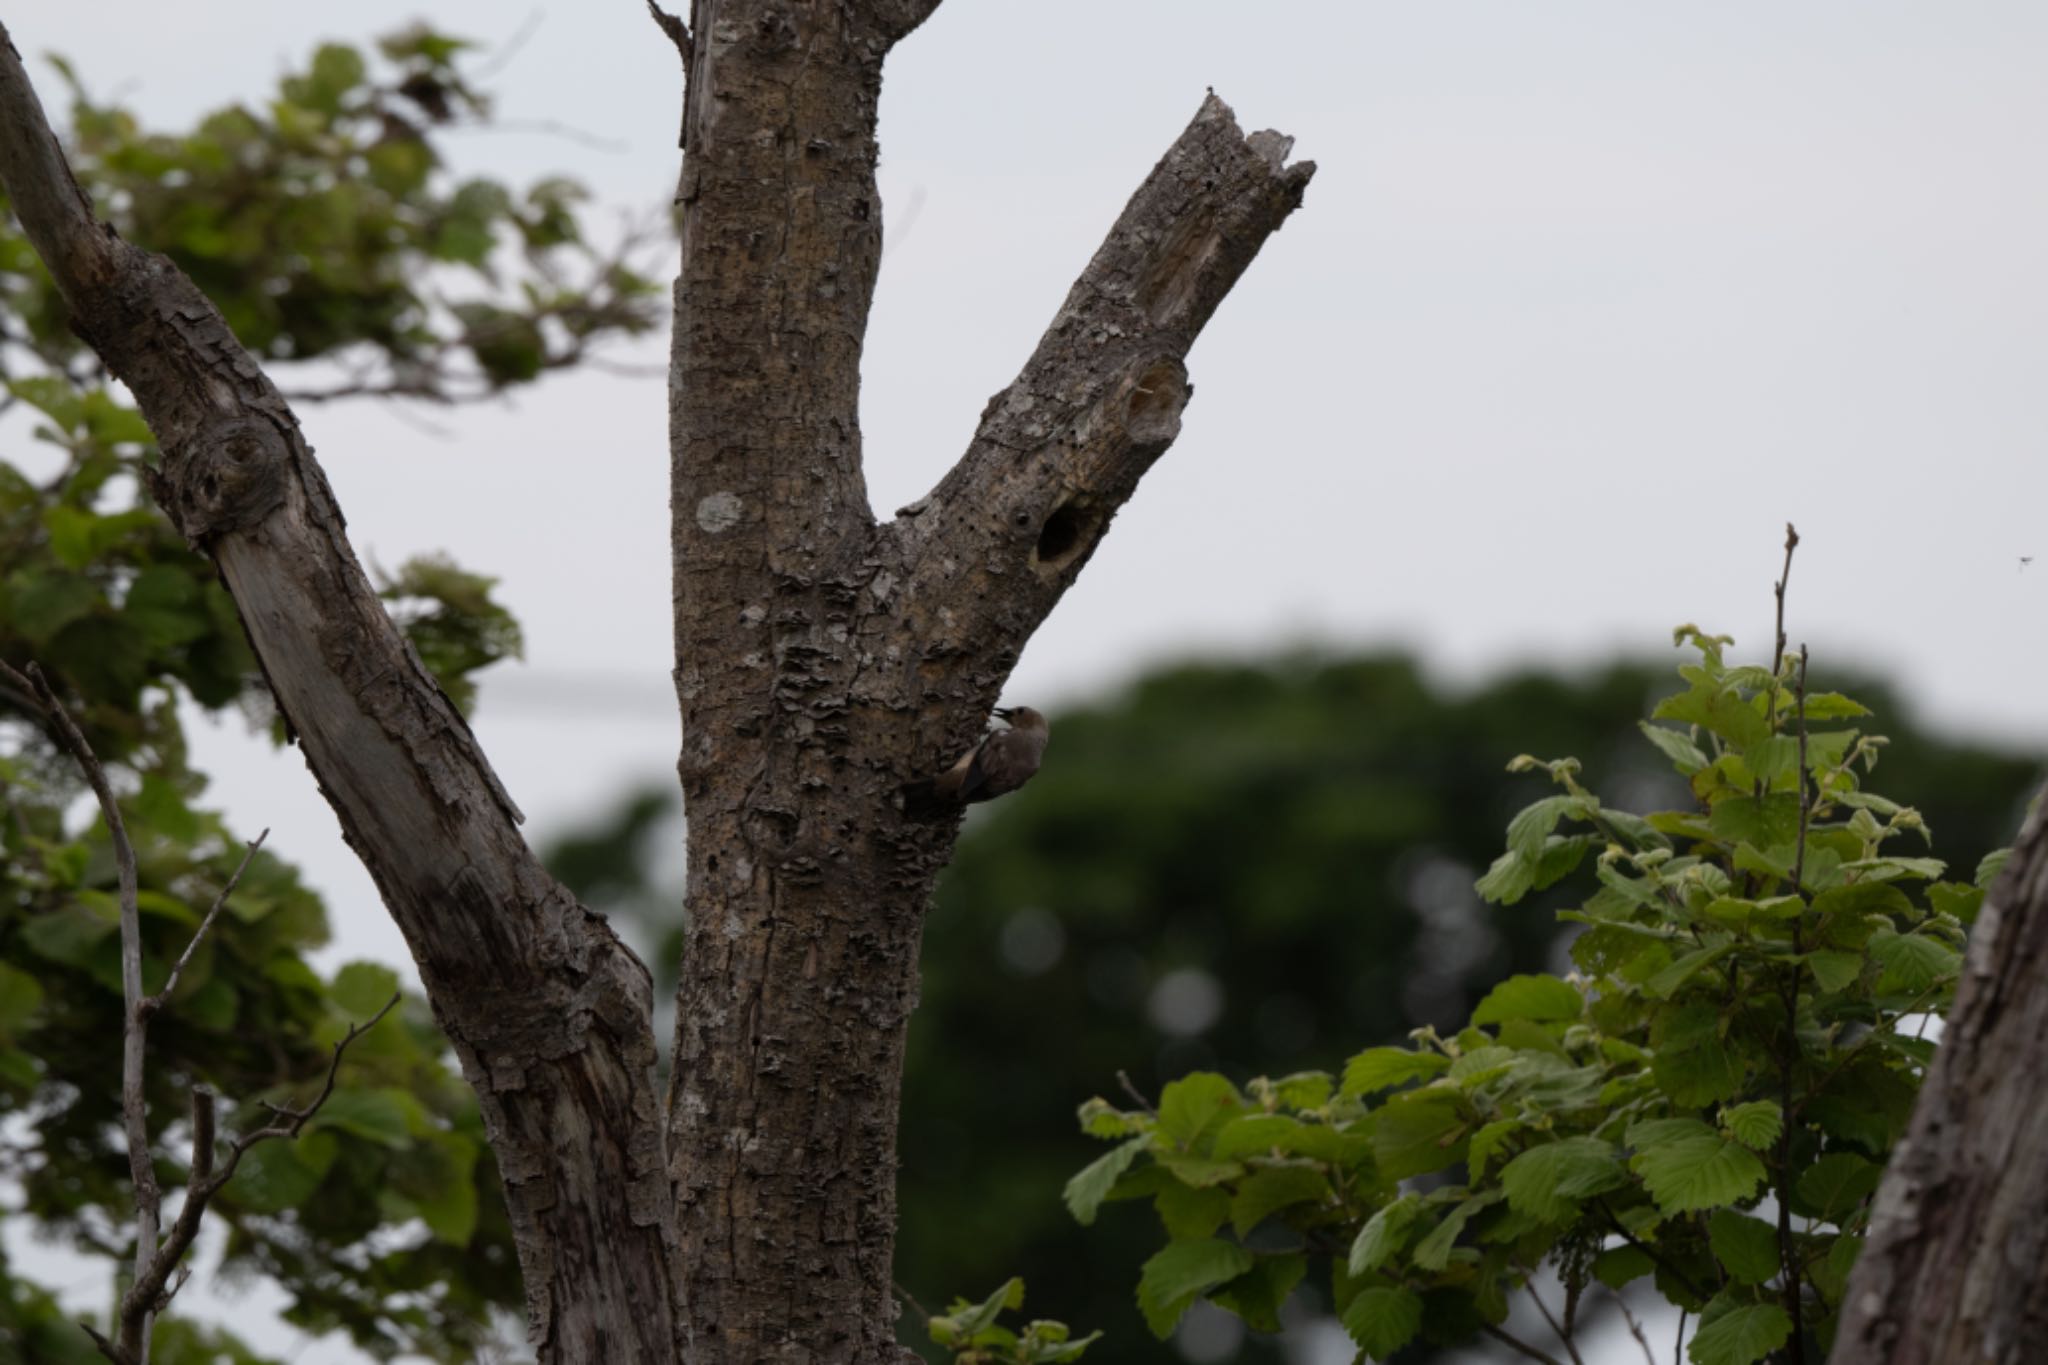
(546, 1009)
(1956, 1268)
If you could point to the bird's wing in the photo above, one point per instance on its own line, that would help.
(973, 786)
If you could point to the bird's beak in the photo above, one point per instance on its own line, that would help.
(1003, 712)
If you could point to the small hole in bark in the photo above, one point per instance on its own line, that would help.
(1062, 533)
(711, 863)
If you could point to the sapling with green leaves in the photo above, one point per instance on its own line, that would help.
(1705, 1104)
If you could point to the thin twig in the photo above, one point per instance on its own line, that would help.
(1778, 649)
(1123, 1078)
(1562, 1335)
(1678, 1346)
(1516, 1343)
(1635, 1329)
(1673, 1271)
(156, 1002)
(910, 1299)
(135, 1020)
(287, 1123)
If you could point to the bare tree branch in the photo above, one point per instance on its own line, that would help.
(134, 1337)
(549, 1013)
(156, 1002)
(1006, 532)
(147, 1293)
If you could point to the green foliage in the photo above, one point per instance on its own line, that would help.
(1752, 971)
(311, 220)
(452, 621)
(971, 1335)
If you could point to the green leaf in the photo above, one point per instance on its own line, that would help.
(1616, 1266)
(1733, 718)
(1190, 1211)
(1746, 1247)
(1546, 1182)
(1086, 1191)
(1254, 1135)
(1433, 1252)
(360, 989)
(1667, 983)
(1382, 1321)
(1189, 1105)
(1267, 1191)
(1180, 1272)
(1953, 898)
(1911, 962)
(967, 1321)
(1378, 1068)
(1756, 1125)
(1257, 1295)
(1384, 1234)
(1198, 1170)
(1509, 879)
(1833, 706)
(1834, 971)
(1529, 828)
(71, 935)
(1101, 1119)
(446, 1198)
(1537, 996)
(20, 997)
(1417, 1133)
(1701, 1171)
(1766, 822)
(1834, 1186)
(1740, 1336)
(1990, 866)
(1676, 747)
(381, 1116)
(1693, 1064)
(279, 1175)
(1486, 1142)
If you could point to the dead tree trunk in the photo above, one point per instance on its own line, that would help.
(824, 662)
(1956, 1268)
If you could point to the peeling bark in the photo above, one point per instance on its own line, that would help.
(1956, 1267)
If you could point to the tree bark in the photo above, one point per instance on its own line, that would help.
(824, 664)
(1956, 1266)
(546, 1009)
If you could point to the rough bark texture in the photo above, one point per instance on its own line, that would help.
(547, 1010)
(825, 665)
(1956, 1268)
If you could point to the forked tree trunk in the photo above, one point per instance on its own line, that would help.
(1956, 1268)
(825, 662)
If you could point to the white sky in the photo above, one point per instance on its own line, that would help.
(1586, 301)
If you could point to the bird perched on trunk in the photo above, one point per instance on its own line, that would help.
(1001, 763)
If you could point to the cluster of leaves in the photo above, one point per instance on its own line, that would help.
(1708, 1102)
(971, 1335)
(312, 224)
(323, 225)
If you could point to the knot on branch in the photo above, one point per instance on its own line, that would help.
(229, 477)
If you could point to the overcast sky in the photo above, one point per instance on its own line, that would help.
(1586, 301)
